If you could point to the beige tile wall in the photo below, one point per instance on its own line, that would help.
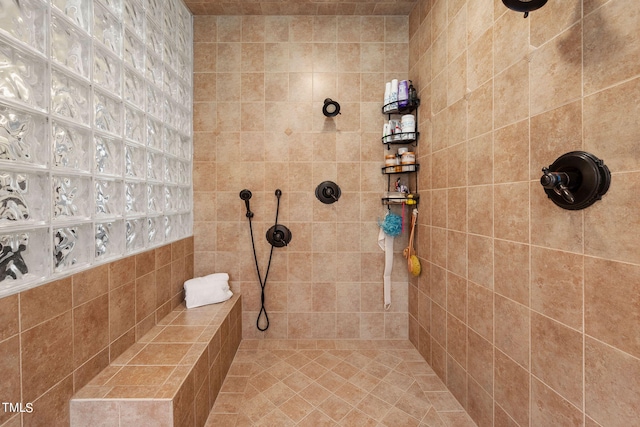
(530, 313)
(55, 338)
(260, 82)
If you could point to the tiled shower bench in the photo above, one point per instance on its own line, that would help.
(170, 377)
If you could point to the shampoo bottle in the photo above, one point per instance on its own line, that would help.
(403, 94)
(413, 94)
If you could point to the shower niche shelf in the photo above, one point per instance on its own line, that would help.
(401, 138)
(406, 199)
(411, 106)
(390, 170)
(398, 197)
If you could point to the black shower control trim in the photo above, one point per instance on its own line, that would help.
(331, 108)
(576, 180)
(279, 235)
(328, 192)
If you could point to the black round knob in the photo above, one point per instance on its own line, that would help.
(279, 235)
(328, 192)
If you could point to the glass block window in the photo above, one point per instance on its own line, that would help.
(95, 133)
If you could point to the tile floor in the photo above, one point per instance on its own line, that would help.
(333, 383)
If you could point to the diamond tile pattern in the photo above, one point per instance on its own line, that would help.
(333, 383)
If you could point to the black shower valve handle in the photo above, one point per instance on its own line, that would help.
(328, 192)
(550, 179)
(558, 182)
(278, 237)
(576, 180)
(562, 190)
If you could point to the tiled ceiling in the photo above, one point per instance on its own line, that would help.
(300, 7)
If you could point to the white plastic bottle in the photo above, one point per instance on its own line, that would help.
(387, 96)
(386, 131)
(394, 94)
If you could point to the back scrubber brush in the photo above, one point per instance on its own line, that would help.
(413, 263)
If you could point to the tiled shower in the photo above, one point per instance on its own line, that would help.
(262, 128)
(527, 312)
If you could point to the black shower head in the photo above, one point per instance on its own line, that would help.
(331, 108)
(246, 195)
(524, 6)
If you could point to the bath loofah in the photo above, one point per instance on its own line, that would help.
(392, 224)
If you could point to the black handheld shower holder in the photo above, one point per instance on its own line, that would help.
(246, 195)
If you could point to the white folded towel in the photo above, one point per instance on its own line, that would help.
(218, 276)
(206, 290)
